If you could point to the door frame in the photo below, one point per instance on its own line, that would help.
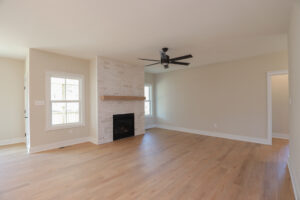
(26, 111)
(269, 101)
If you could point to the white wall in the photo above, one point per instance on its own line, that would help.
(12, 123)
(226, 98)
(150, 121)
(41, 62)
(280, 104)
(294, 117)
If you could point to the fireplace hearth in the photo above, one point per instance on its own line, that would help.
(123, 126)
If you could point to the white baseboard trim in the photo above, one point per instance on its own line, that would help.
(280, 135)
(56, 145)
(93, 140)
(150, 126)
(295, 184)
(13, 141)
(216, 134)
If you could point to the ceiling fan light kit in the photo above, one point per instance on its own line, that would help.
(165, 60)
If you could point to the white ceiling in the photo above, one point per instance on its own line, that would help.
(211, 30)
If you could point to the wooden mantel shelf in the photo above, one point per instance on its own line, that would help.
(123, 98)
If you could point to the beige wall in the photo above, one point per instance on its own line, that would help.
(12, 123)
(41, 62)
(150, 121)
(294, 116)
(228, 97)
(280, 104)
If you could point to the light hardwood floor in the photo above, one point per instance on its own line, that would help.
(161, 164)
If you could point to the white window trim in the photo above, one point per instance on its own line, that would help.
(151, 100)
(49, 125)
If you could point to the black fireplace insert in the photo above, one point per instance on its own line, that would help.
(123, 126)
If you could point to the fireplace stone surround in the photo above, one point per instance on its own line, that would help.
(118, 79)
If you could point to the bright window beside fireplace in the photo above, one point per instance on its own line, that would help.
(64, 100)
(148, 100)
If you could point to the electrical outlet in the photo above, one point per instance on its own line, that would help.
(215, 125)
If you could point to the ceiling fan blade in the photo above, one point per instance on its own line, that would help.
(181, 57)
(179, 63)
(152, 64)
(148, 59)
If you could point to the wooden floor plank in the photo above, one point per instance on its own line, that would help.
(161, 164)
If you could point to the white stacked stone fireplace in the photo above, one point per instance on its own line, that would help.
(118, 79)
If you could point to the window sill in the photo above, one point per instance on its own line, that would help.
(61, 127)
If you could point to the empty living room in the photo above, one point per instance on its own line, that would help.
(140, 100)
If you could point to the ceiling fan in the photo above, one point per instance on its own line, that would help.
(165, 60)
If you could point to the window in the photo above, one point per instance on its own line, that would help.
(148, 100)
(64, 101)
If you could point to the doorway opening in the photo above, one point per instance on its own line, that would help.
(12, 124)
(277, 104)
